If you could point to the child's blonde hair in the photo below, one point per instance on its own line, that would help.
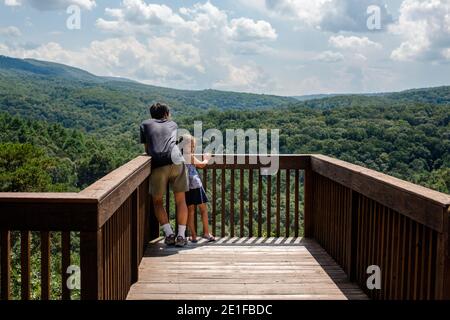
(189, 140)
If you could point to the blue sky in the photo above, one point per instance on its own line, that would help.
(285, 47)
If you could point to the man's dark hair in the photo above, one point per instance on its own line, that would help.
(159, 111)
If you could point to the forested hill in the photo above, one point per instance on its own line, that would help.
(76, 98)
(62, 128)
(437, 95)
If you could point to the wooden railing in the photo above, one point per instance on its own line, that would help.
(112, 220)
(360, 217)
(363, 218)
(245, 202)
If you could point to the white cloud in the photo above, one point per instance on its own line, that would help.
(446, 53)
(204, 17)
(244, 29)
(247, 78)
(329, 15)
(52, 4)
(310, 12)
(10, 31)
(424, 26)
(136, 16)
(157, 61)
(139, 12)
(330, 57)
(13, 3)
(353, 43)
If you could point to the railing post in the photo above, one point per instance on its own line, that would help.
(5, 268)
(91, 256)
(308, 209)
(443, 263)
(446, 294)
(135, 236)
(352, 244)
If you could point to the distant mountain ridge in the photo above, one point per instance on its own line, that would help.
(201, 98)
(216, 97)
(418, 95)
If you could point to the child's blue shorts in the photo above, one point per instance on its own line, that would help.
(195, 197)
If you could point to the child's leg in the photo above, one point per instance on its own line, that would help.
(204, 212)
(191, 223)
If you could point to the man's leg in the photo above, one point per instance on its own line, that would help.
(160, 211)
(161, 215)
(182, 213)
(158, 186)
(180, 187)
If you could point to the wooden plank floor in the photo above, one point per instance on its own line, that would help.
(242, 268)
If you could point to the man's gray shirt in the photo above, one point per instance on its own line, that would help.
(161, 138)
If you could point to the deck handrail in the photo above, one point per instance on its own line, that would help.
(359, 216)
(365, 218)
(401, 195)
(111, 216)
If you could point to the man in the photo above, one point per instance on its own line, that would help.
(159, 135)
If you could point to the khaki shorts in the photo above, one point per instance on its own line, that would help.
(176, 175)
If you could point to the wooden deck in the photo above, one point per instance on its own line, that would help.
(242, 269)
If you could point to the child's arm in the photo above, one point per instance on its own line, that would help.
(201, 164)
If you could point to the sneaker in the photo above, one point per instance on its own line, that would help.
(170, 240)
(180, 242)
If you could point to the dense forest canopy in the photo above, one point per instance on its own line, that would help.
(62, 128)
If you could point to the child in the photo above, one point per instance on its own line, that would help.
(196, 196)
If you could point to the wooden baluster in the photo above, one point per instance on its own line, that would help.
(395, 256)
(404, 258)
(109, 259)
(308, 202)
(269, 205)
(135, 236)
(259, 204)
(214, 199)
(205, 179)
(232, 187)
(278, 197)
(250, 203)
(122, 234)
(45, 265)
(423, 265)
(241, 203)
(430, 271)
(360, 245)
(114, 258)
(411, 254)
(223, 221)
(417, 255)
(376, 254)
(296, 206)
(25, 264)
(92, 265)
(5, 268)
(354, 236)
(288, 203)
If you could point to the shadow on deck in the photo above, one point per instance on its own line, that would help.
(242, 269)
